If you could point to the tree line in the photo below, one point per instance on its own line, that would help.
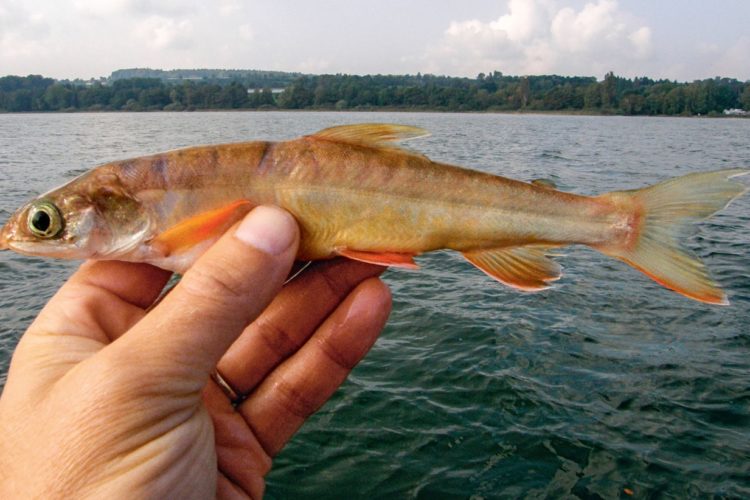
(251, 78)
(486, 92)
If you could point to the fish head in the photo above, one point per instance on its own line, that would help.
(92, 216)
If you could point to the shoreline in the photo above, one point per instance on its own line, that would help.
(590, 113)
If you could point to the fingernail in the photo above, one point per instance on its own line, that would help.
(269, 229)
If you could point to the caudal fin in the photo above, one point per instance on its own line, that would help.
(666, 213)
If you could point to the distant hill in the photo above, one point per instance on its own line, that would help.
(251, 78)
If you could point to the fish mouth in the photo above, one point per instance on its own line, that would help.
(4, 240)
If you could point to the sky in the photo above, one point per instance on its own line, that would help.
(681, 40)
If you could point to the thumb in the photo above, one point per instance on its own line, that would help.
(224, 291)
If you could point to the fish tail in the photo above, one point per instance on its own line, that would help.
(663, 215)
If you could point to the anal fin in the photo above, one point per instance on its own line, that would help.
(199, 228)
(391, 259)
(525, 268)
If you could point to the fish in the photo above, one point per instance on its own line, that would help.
(357, 193)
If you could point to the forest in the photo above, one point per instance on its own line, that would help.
(487, 92)
(251, 78)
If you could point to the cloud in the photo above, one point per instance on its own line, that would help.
(641, 42)
(16, 20)
(542, 36)
(166, 8)
(98, 8)
(142, 8)
(22, 33)
(230, 7)
(150, 24)
(85, 38)
(245, 32)
(523, 21)
(166, 33)
(725, 62)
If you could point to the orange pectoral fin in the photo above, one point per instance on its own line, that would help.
(201, 227)
(391, 259)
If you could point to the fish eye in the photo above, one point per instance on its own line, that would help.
(45, 220)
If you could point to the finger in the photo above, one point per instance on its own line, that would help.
(223, 291)
(290, 320)
(101, 300)
(300, 385)
(239, 456)
(227, 490)
(135, 283)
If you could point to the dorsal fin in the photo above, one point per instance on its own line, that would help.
(545, 183)
(373, 134)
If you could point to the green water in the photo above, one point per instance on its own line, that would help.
(604, 383)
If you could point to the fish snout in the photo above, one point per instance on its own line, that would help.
(4, 238)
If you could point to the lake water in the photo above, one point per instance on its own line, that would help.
(604, 384)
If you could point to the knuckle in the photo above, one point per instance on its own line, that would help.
(219, 281)
(332, 282)
(336, 355)
(294, 401)
(276, 337)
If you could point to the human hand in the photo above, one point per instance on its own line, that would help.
(107, 399)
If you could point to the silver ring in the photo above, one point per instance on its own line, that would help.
(230, 393)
